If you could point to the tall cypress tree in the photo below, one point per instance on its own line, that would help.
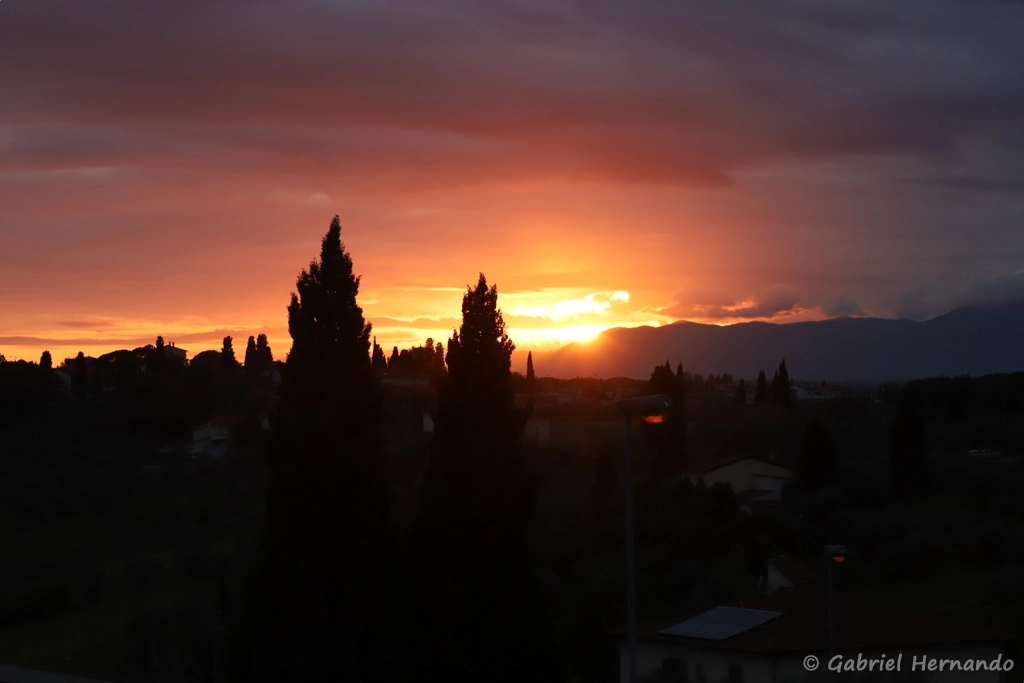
(378, 361)
(250, 355)
(481, 611)
(531, 378)
(227, 355)
(761, 395)
(80, 380)
(784, 398)
(46, 361)
(318, 598)
(264, 356)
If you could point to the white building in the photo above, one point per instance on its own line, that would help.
(768, 638)
(756, 482)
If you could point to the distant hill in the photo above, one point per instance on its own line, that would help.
(973, 341)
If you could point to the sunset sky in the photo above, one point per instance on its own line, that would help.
(169, 167)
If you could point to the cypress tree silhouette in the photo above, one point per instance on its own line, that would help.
(227, 355)
(438, 362)
(317, 601)
(80, 380)
(780, 386)
(481, 611)
(264, 356)
(761, 395)
(378, 362)
(393, 358)
(46, 361)
(667, 439)
(250, 355)
(785, 398)
(531, 378)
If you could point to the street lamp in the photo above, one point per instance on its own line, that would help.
(834, 554)
(641, 406)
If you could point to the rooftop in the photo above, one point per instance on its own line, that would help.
(718, 463)
(803, 625)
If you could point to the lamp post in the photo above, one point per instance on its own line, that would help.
(833, 554)
(641, 406)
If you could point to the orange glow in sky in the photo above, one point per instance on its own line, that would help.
(604, 165)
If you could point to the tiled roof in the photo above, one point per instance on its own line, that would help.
(803, 626)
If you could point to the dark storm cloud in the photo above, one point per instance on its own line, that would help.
(1002, 289)
(654, 92)
(971, 183)
(776, 300)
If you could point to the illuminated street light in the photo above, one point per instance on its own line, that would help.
(653, 409)
(835, 554)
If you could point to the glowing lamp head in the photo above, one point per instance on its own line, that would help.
(837, 553)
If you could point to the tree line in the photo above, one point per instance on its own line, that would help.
(335, 594)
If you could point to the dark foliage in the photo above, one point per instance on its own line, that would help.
(378, 361)
(780, 386)
(26, 391)
(426, 360)
(227, 356)
(80, 378)
(473, 566)
(667, 437)
(318, 599)
(761, 395)
(741, 394)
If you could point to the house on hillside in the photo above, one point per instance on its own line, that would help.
(68, 366)
(408, 399)
(63, 378)
(807, 391)
(766, 639)
(757, 483)
(176, 354)
(214, 437)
